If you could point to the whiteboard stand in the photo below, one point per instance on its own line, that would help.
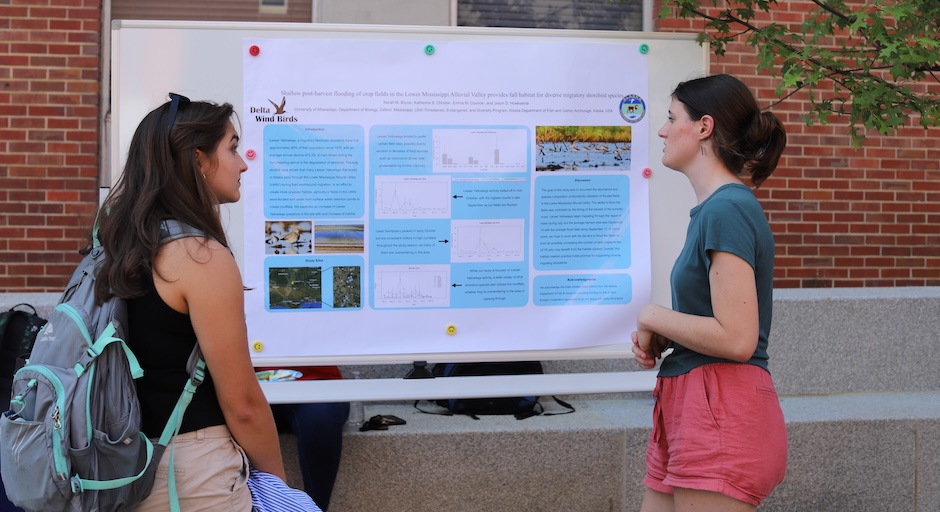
(457, 387)
(419, 370)
(206, 60)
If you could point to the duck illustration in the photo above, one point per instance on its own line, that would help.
(279, 109)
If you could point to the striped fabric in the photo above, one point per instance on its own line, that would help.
(270, 494)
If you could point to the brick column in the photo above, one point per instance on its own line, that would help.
(50, 70)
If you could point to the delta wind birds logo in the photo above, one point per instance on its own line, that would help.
(279, 109)
(264, 114)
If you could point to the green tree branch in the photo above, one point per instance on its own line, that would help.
(874, 63)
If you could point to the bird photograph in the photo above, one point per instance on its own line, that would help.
(288, 237)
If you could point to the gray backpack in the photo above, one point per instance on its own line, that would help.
(71, 440)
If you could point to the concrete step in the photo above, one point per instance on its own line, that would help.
(851, 452)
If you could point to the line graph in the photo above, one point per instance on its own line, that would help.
(398, 286)
(420, 197)
(488, 240)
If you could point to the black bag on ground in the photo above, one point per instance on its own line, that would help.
(520, 406)
(18, 330)
(483, 406)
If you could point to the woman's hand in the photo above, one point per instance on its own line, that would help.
(648, 346)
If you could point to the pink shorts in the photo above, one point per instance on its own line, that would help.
(718, 428)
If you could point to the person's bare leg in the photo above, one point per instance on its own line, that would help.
(688, 500)
(655, 501)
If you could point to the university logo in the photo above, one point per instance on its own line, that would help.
(632, 108)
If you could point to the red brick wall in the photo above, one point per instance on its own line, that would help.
(842, 217)
(50, 71)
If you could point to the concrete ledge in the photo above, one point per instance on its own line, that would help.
(43, 302)
(865, 452)
(865, 340)
(861, 452)
(590, 460)
(859, 340)
(870, 340)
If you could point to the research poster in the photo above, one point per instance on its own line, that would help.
(421, 197)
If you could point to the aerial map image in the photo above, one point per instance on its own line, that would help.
(295, 288)
(346, 291)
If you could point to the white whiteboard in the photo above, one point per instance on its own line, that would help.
(205, 61)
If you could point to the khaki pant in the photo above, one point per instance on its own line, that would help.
(211, 474)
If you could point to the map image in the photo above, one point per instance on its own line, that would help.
(346, 292)
(295, 288)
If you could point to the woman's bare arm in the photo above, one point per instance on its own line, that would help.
(731, 334)
(203, 280)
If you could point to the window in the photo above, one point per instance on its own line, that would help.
(553, 14)
(272, 6)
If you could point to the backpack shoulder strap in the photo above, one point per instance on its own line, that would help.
(197, 371)
(443, 412)
(570, 408)
(172, 229)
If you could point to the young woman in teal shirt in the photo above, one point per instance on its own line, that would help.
(719, 440)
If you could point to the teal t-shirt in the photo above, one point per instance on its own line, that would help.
(731, 220)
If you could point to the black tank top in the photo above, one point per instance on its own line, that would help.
(162, 339)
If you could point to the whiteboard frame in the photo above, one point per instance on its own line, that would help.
(458, 387)
(151, 58)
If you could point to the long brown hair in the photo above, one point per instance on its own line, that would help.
(749, 142)
(161, 180)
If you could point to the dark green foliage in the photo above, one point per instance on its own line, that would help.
(875, 63)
